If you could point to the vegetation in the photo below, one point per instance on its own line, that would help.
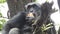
(2, 1)
(2, 21)
(43, 28)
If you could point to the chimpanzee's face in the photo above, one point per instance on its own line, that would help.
(33, 11)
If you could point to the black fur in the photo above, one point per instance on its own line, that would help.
(21, 24)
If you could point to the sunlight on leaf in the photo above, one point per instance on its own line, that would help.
(2, 1)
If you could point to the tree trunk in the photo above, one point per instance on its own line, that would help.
(58, 3)
(16, 5)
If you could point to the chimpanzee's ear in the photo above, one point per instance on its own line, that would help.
(25, 7)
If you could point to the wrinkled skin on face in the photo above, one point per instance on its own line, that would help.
(33, 11)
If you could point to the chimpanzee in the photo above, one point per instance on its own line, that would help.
(22, 22)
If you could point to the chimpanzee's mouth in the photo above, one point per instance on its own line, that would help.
(30, 16)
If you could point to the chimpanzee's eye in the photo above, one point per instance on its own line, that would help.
(29, 7)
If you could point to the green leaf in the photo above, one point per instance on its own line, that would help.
(1, 26)
(2, 1)
(3, 21)
(46, 27)
(0, 14)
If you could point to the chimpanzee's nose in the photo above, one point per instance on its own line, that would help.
(31, 11)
